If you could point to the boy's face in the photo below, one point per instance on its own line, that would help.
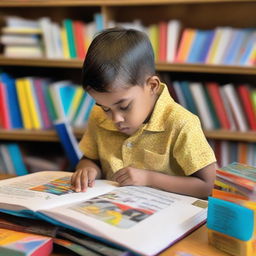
(129, 107)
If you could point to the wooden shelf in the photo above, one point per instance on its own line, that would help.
(228, 135)
(35, 135)
(171, 67)
(51, 136)
(52, 63)
(50, 3)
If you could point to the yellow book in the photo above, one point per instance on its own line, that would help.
(214, 47)
(230, 244)
(154, 38)
(64, 41)
(75, 102)
(187, 39)
(24, 108)
(32, 105)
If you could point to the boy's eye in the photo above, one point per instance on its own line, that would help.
(105, 109)
(125, 108)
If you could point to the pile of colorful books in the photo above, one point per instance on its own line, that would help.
(232, 210)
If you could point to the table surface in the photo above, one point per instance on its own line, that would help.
(195, 244)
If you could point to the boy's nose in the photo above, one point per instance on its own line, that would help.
(117, 118)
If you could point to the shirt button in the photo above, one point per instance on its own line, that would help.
(128, 144)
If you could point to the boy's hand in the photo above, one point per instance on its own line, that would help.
(83, 178)
(129, 176)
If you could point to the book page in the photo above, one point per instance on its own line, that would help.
(125, 213)
(44, 190)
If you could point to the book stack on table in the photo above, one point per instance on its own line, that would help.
(232, 210)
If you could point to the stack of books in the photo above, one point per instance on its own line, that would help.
(232, 210)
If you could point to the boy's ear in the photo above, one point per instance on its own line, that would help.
(153, 84)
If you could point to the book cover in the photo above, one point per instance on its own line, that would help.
(190, 100)
(32, 103)
(214, 93)
(245, 97)
(78, 27)
(188, 36)
(24, 244)
(235, 106)
(17, 159)
(202, 105)
(68, 141)
(163, 41)
(5, 121)
(38, 84)
(23, 103)
(106, 212)
(173, 34)
(13, 104)
(242, 170)
(68, 25)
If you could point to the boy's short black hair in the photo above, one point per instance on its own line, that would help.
(118, 56)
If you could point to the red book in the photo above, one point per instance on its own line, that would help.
(5, 121)
(163, 41)
(78, 27)
(244, 94)
(214, 92)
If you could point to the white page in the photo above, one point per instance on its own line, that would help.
(21, 192)
(160, 217)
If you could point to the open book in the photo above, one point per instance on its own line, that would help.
(139, 219)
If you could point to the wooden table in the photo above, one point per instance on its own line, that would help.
(196, 243)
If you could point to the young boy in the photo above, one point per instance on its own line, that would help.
(137, 134)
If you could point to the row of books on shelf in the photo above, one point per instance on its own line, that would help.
(232, 210)
(230, 151)
(35, 103)
(44, 38)
(16, 159)
(219, 106)
(171, 42)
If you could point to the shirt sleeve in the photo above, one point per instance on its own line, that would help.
(191, 150)
(88, 143)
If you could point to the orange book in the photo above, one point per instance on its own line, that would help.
(79, 38)
(232, 197)
(187, 39)
(19, 243)
(162, 41)
(242, 152)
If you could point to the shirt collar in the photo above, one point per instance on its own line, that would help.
(156, 122)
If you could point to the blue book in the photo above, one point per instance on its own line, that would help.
(234, 47)
(248, 48)
(98, 18)
(13, 104)
(184, 85)
(209, 35)
(231, 219)
(68, 141)
(17, 159)
(67, 93)
(196, 46)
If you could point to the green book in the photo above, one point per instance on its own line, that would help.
(68, 25)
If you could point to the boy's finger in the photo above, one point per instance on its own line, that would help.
(84, 180)
(91, 178)
(119, 173)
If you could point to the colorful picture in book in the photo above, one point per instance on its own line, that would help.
(59, 186)
(123, 214)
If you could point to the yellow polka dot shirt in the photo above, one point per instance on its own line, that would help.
(171, 142)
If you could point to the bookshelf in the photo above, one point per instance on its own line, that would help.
(192, 13)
